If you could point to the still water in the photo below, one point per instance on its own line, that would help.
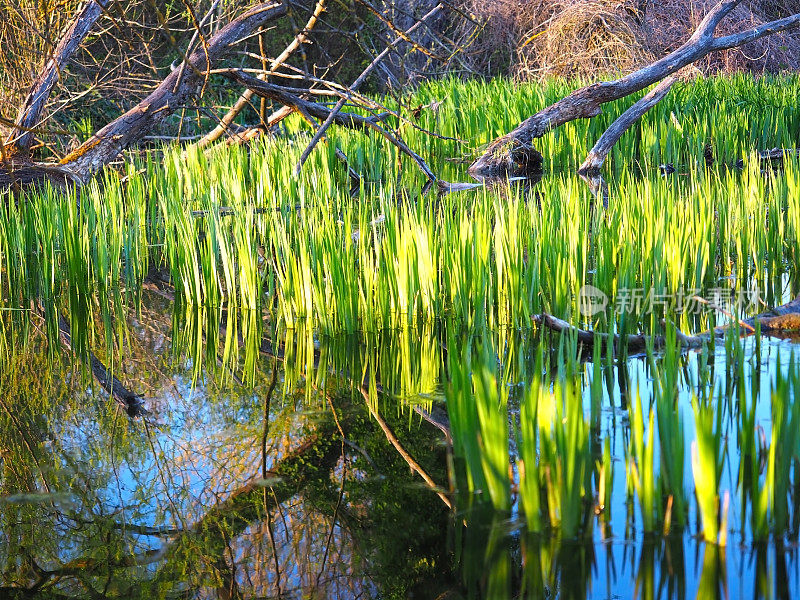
(318, 468)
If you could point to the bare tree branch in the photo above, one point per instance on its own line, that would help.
(318, 111)
(245, 98)
(356, 84)
(590, 169)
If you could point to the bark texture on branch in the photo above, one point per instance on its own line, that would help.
(30, 113)
(590, 169)
(174, 92)
(513, 153)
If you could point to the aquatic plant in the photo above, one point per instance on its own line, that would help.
(243, 247)
(479, 421)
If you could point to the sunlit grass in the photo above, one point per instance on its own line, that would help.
(249, 247)
(235, 228)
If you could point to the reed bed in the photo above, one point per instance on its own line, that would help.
(560, 474)
(247, 244)
(233, 227)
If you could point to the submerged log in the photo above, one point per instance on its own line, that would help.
(785, 323)
(132, 402)
(776, 155)
(634, 344)
(785, 318)
(781, 319)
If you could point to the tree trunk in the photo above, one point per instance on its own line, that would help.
(30, 113)
(175, 91)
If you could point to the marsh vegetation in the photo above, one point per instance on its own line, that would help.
(348, 391)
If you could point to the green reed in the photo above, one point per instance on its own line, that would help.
(249, 247)
(479, 422)
(234, 228)
(565, 460)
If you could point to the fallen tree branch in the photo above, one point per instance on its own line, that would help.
(589, 171)
(514, 154)
(781, 319)
(245, 98)
(633, 343)
(172, 93)
(176, 90)
(331, 118)
(321, 112)
(18, 172)
(358, 99)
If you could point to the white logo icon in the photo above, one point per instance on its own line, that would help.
(591, 301)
